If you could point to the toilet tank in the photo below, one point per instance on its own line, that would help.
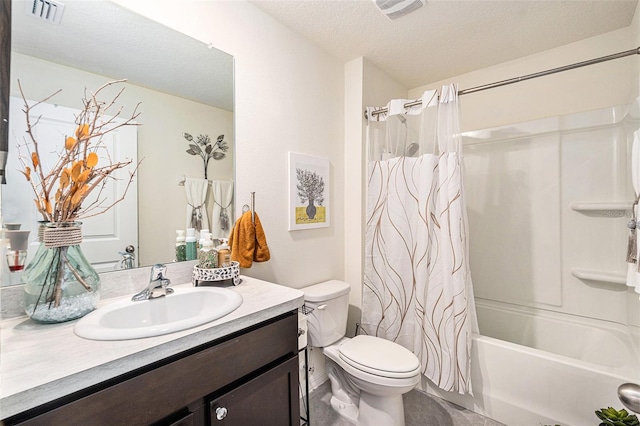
(327, 323)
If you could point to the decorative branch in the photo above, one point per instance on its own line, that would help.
(61, 190)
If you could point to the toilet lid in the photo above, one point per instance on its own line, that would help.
(379, 356)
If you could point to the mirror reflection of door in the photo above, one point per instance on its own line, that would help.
(104, 235)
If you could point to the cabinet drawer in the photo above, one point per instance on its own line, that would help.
(155, 394)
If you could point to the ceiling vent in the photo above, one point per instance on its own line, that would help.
(394, 9)
(47, 10)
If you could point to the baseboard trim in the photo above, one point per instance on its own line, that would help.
(317, 379)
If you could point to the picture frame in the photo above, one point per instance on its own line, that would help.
(309, 192)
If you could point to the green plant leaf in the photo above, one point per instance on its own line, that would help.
(189, 151)
(195, 148)
(218, 155)
(612, 417)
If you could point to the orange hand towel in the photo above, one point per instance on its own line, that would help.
(248, 241)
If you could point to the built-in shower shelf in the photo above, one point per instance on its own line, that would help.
(610, 209)
(606, 277)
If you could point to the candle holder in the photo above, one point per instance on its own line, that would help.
(17, 251)
(16, 260)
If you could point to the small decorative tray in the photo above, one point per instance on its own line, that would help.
(217, 274)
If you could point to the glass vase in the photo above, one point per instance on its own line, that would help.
(60, 283)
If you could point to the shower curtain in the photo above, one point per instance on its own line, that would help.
(417, 284)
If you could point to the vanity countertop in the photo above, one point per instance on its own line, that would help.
(40, 363)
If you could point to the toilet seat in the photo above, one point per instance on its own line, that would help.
(380, 357)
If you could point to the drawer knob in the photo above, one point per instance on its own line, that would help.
(221, 413)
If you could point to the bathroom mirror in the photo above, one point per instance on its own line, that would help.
(184, 86)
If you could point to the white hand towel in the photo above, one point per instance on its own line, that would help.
(196, 191)
(222, 214)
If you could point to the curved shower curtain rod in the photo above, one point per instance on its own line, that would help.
(524, 77)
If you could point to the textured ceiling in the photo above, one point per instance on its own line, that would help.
(447, 38)
(106, 39)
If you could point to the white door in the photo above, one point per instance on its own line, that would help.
(105, 235)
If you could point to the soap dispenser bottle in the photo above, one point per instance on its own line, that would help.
(207, 254)
(204, 232)
(192, 251)
(181, 247)
(224, 254)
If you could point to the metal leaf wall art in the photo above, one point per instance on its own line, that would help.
(202, 146)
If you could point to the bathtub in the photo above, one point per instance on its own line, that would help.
(554, 376)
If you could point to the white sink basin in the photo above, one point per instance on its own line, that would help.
(185, 308)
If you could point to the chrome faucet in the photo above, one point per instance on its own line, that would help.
(128, 258)
(158, 284)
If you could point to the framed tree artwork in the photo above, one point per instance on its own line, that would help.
(308, 192)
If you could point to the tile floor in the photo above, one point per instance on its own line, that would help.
(420, 409)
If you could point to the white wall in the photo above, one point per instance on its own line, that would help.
(161, 147)
(583, 89)
(288, 97)
(354, 190)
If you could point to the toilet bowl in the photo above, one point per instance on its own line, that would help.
(368, 374)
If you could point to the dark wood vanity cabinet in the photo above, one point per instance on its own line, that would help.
(260, 401)
(247, 378)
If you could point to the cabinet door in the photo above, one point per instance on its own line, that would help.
(269, 399)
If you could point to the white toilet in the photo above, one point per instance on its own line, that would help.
(368, 374)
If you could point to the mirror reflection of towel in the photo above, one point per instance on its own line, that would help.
(196, 191)
(248, 241)
(222, 208)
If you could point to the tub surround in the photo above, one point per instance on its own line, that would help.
(569, 324)
(41, 363)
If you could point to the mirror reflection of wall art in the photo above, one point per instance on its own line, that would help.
(203, 147)
(308, 192)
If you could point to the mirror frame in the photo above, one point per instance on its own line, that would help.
(5, 83)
